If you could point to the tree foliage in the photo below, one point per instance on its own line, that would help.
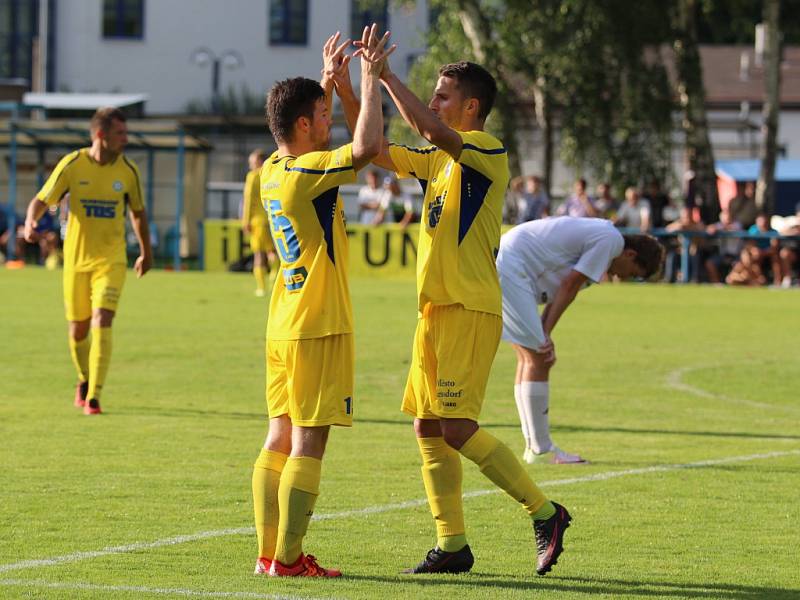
(593, 63)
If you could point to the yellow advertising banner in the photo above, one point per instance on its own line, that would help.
(384, 250)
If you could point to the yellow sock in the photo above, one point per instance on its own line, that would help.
(260, 274)
(79, 351)
(99, 358)
(297, 494)
(442, 474)
(499, 464)
(266, 479)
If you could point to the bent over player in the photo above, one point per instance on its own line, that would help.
(102, 184)
(464, 175)
(548, 262)
(309, 348)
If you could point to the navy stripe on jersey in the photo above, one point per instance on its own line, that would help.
(474, 187)
(423, 183)
(74, 158)
(318, 171)
(426, 150)
(483, 150)
(325, 205)
(135, 174)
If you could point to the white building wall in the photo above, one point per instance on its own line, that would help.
(159, 65)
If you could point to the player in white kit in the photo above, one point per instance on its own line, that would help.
(548, 262)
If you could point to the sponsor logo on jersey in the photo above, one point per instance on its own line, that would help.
(294, 279)
(100, 209)
(435, 207)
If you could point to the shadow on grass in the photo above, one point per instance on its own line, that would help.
(720, 434)
(585, 585)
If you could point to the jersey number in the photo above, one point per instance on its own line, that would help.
(287, 242)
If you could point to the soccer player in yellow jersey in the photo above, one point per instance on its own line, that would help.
(309, 346)
(103, 185)
(464, 175)
(254, 223)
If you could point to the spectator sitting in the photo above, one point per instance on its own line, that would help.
(20, 245)
(605, 204)
(790, 253)
(688, 220)
(634, 212)
(765, 251)
(369, 198)
(533, 203)
(579, 204)
(728, 249)
(747, 270)
(743, 206)
(395, 205)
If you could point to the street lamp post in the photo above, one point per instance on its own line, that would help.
(230, 59)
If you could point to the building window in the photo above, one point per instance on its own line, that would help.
(288, 22)
(367, 12)
(123, 19)
(19, 24)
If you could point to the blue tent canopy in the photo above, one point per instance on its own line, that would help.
(787, 179)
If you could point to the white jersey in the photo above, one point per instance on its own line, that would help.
(545, 251)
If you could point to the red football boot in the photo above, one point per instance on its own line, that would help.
(80, 393)
(92, 407)
(262, 565)
(305, 566)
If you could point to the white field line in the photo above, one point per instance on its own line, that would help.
(40, 583)
(369, 510)
(675, 381)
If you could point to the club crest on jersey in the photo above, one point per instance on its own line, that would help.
(435, 210)
(117, 185)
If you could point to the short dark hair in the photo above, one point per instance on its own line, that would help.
(649, 253)
(475, 82)
(104, 116)
(287, 101)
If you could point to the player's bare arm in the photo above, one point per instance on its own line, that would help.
(340, 74)
(36, 208)
(566, 293)
(145, 260)
(368, 133)
(421, 118)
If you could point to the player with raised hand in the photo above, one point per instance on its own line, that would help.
(103, 184)
(464, 175)
(310, 353)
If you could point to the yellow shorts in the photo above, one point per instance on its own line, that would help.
(85, 291)
(453, 353)
(260, 239)
(311, 380)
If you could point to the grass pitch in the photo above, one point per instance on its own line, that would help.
(685, 399)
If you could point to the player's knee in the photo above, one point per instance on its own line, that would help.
(427, 428)
(78, 330)
(456, 432)
(102, 317)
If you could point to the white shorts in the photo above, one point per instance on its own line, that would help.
(522, 324)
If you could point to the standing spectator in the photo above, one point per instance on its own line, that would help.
(634, 212)
(743, 207)
(369, 199)
(533, 203)
(688, 221)
(658, 202)
(728, 249)
(605, 203)
(579, 204)
(395, 205)
(512, 199)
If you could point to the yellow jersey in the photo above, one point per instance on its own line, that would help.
(99, 196)
(459, 235)
(252, 209)
(306, 219)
